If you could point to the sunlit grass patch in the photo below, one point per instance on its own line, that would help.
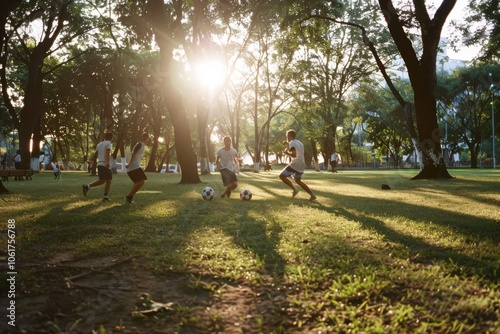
(421, 257)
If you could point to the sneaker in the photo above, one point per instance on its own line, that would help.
(129, 200)
(313, 198)
(85, 189)
(295, 192)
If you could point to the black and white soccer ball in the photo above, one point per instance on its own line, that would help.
(246, 195)
(207, 193)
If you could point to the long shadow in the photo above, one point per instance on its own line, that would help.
(262, 237)
(422, 251)
(459, 185)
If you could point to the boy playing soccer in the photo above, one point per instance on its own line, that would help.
(296, 167)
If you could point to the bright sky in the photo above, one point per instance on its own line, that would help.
(457, 14)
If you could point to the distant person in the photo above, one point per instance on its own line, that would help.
(333, 161)
(55, 169)
(17, 159)
(296, 167)
(134, 169)
(4, 160)
(225, 158)
(103, 152)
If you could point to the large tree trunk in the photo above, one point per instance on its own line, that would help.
(434, 166)
(422, 73)
(165, 38)
(32, 111)
(182, 133)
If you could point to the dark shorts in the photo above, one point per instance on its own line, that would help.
(289, 171)
(104, 173)
(137, 175)
(228, 177)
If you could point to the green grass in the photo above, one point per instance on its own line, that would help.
(423, 257)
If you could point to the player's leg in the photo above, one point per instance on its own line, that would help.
(139, 178)
(305, 187)
(135, 188)
(230, 181)
(284, 176)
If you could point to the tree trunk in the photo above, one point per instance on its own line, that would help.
(474, 149)
(150, 166)
(473, 161)
(183, 143)
(424, 84)
(255, 115)
(314, 152)
(422, 73)
(165, 38)
(31, 111)
(202, 111)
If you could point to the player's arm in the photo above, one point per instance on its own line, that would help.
(238, 159)
(217, 161)
(291, 152)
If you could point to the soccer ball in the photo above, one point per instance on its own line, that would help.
(246, 195)
(207, 193)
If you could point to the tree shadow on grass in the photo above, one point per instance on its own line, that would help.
(470, 228)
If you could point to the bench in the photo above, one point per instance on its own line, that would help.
(18, 174)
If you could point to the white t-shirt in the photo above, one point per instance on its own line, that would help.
(135, 163)
(226, 158)
(102, 147)
(298, 162)
(333, 157)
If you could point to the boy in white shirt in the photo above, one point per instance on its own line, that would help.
(103, 167)
(134, 169)
(297, 166)
(225, 158)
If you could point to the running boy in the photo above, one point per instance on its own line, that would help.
(225, 158)
(134, 169)
(103, 167)
(296, 167)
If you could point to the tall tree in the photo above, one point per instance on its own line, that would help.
(422, 74)
(164, 22)
(467, 95)
(385, 121)
(24, 51)
(335, 66)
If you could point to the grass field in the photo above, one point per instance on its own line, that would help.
(423, 257)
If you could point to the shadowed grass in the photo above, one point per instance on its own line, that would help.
(421, 257)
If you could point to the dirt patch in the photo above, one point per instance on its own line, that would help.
(83, 296)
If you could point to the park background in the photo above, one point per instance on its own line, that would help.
(248, 70)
